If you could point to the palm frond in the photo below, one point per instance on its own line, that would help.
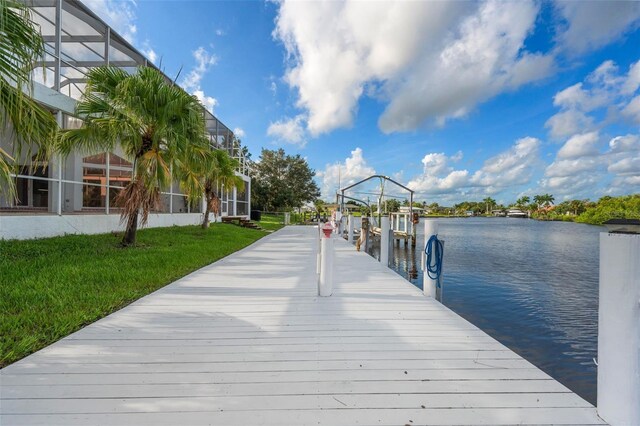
(30, 127)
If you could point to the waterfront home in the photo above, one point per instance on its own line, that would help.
(77, 193)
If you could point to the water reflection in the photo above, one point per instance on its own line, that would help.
(531, 285)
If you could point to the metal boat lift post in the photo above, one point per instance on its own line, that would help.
(382, 180)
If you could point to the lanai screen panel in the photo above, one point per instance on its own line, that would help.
(82, 42)
(77, 40)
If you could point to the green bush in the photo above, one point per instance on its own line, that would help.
(625, 207)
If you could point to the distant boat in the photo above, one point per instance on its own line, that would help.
(516, 213)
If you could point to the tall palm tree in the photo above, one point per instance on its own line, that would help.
(548, 199)
(204, 174)
(522, 201)
(538, 200)
(31, 127)
(155, 122)
(489, 202)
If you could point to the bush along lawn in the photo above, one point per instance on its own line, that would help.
(51, 287)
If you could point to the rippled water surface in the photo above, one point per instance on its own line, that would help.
(531, 285)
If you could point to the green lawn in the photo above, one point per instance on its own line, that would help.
(271, 221)
(52, 287)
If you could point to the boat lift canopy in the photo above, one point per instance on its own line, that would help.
(383, 179)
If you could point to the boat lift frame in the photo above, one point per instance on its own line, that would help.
(382, 178)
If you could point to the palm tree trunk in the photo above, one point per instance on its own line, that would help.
(129, 238)
(207, 211)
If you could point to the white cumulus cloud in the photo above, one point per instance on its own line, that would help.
(191, 82)
(343, 173)
(514, 166)
(605, 88)
(580, 145)
(593, 24)
(430, 60)
(290, 130)
(119, 14)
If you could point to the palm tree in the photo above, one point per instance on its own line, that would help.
(489, 202)
(522, 201)
(204, 174)
(538, 200)
(155, 123)
(31, 127)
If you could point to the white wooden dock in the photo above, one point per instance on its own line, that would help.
(247, 341)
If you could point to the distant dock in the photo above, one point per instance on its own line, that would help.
(247, 341)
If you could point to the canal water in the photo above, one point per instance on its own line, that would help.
(531, 285)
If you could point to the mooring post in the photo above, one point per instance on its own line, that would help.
(429, 286)
(619, 329)
(338, 229)
(287, 218)
(325, 281)
(319, 248)
(350, 224)
(364, 233)
(384, 240)
(415, 220)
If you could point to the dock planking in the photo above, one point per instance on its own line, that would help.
(246, 340)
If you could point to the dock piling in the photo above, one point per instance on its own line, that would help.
(350, 233)
(384, 240)
(325, 282)
(619, 329)
(319, 248)
(429, 286)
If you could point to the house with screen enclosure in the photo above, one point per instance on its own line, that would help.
(76, 194)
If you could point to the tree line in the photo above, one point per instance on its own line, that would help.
(542, 207)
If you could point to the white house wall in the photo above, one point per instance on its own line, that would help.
(24, 227)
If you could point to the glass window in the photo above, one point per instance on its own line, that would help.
(32, 192)
(95, 179)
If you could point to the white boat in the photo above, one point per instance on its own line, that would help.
(516, 213)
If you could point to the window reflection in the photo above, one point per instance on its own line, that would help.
(95, 178)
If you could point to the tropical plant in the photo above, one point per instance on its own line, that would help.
(489, 202)
(543, 200)
(156, 123)
(522, 202)
(624, 207)
(30, 127)
(208, 175)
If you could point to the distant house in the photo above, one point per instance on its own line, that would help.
(498, 213)
(469, 213)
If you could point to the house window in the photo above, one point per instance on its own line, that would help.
(104, 175)
(33, 192)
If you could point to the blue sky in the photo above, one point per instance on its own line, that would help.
(457, 100)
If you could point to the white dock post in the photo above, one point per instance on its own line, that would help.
(319, 248)
(338, 229)
(287, 218)
(384, 241)
(429, 286)
(350, 233)
(619, 329)
(325, 282)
